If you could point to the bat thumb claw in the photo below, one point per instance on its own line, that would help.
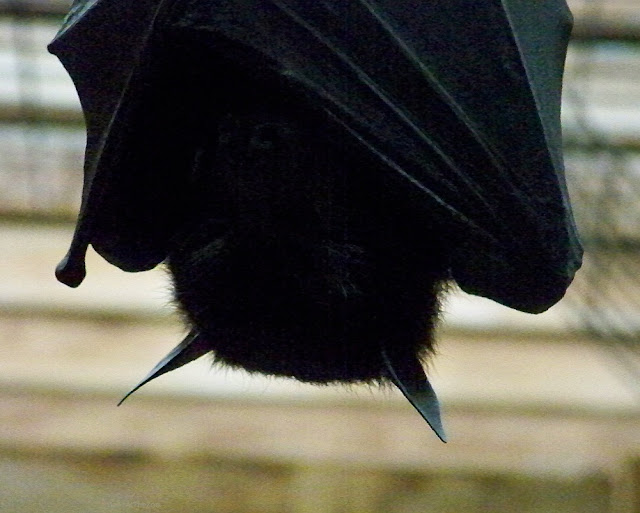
(410, 378)
(71, 270)
(190, 349)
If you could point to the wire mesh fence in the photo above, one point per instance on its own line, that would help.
(41, 133)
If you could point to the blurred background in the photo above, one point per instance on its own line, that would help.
(542, 412)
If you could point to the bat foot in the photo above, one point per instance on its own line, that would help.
(190, 349)
(410, 378)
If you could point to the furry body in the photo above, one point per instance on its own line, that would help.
(297, 261)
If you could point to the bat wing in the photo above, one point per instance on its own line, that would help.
(459, 99)
(132, 188)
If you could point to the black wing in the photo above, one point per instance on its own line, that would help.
(459, 99)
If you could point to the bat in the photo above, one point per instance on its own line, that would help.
(315, 175)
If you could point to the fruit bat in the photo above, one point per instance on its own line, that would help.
(315, 175)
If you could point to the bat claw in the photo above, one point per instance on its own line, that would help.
(191, 348)
(412, 381)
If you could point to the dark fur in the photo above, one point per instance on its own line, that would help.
(298, 260)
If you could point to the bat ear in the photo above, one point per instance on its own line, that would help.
(410, 378)
(191, 348)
